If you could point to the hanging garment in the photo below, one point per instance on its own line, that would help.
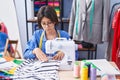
(109, 46)
(116, 36)
(4, 29)
(3, 38)
(118, 55)
(92, 20)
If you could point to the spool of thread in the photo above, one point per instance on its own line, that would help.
(93, 72)
(82, 64)
(88, 64)
(84, 73)
(76, 70)
(104, 77)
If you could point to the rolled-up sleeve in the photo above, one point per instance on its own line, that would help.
(31, 45)
(28, 51)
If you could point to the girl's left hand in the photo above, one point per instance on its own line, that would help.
(58, 56)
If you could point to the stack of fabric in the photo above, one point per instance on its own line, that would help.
(56, 5)
(37, 70)
(37, 5)
(8, 66)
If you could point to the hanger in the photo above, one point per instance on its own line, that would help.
(113, 9)
(119, 9)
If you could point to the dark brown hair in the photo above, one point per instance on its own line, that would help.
(48, 12)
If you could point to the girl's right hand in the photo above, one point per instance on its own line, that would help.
(40, 55)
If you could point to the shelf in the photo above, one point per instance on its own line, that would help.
(65, 20)
(54, 3)
(34, 20)
(86, 49)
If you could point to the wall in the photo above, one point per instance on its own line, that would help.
(9, 17)
(22, 10)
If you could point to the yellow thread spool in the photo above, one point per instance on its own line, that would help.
(84, 73)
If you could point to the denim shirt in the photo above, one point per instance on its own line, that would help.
(35, 41)
(3, 38)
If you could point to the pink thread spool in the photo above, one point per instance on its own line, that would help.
(76, 70)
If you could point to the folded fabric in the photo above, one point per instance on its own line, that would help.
(37, 70)
(87, 45)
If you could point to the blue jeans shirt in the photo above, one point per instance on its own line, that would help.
(35, 40)
(3, 38)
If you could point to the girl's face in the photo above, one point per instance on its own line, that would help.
(47, 24)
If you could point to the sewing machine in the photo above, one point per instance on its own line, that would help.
(67, 47)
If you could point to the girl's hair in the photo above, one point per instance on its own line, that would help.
(48, 12)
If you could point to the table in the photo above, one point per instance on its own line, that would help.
(68, 75)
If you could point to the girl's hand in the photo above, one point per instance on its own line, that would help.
(58, 56)
(39, 54)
